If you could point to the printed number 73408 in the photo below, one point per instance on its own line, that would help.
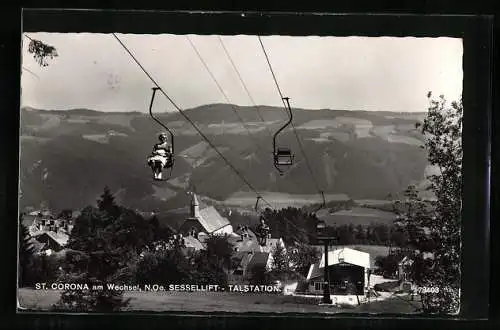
(427, 289)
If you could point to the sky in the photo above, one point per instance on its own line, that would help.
(350, 73)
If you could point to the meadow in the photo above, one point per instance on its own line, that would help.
(225, 302)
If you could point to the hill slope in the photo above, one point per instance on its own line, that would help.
(68, 156)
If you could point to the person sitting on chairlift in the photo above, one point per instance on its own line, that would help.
(262, 231)
(162, 152)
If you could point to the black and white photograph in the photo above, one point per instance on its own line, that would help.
(240, 173)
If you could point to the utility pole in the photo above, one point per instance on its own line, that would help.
(322, 236)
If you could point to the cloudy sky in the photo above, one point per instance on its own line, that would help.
(352, 73)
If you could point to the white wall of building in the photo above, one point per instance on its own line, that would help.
(228, 229)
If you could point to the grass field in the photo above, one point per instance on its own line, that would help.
(357, 216)
(223, 302)
(247, 199)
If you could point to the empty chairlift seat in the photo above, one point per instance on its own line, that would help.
(283, 157)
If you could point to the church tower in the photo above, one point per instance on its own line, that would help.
(195, 206)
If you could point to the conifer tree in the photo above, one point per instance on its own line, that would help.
(108, 204)
(26, 251)
(96, 259)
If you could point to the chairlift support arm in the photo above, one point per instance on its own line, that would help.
(323, 203)
(287, 99)
(257, 203)
(285, 125)
(157, 120)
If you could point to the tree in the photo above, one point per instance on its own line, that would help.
(66, 214)
(85, 227)
(360, 235)
(213, 264)
(26, 251)
(345, 236)
(164, 265)
(107, 204)
(107, 255)
(221, 250)
(292, 224)
(41, 51)
(98, 262)
(382, 233)
(281, 262)
(302, 257)
(399, 236)
(434, 227)
(281, 266)
(160, 232)
(388, 265)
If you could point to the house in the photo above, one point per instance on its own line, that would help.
(52, 241)
(38, 221)
(249, 254)
(259, 259)
(207, 220)
(272, 244)
(348, 272)
(38, 247)
(246, 240)
(192, 242)
(248, 261)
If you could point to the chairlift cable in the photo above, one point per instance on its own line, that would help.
(257, 108)
(251, 98)
(293, 126)
(200, 57)
(272, 72)
(189, 119)
(201, 133)
(159, 122)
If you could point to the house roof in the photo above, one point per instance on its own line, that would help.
(242, 258)
(348, 255)
(211, 220)
(405, 261)
(250, 233)
(202, 237)
(28, 220)
(60, 238)
(258, 259)
(191, 241)
(248, 245)
(272, 243)
(314, 271)
(37, 246)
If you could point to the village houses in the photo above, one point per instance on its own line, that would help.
(50, 233)
(205, 220)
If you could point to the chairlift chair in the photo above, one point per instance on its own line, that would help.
(170, 158)
(283, 156)
(261, 233)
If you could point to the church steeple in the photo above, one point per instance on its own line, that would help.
(195, 206)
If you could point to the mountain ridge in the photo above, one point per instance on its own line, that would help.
(360, 154)
(207, 106)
